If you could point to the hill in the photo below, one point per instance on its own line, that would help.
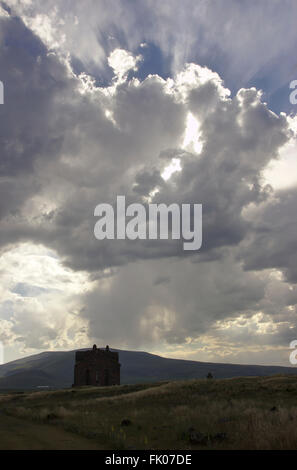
(55, 369)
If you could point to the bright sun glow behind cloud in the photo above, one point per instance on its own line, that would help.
(171, 168)
(37, 290)
(191, 142)
(192, 136)
(282, 173)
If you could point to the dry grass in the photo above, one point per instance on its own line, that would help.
(251, 413)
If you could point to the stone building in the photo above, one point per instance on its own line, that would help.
(96, 367)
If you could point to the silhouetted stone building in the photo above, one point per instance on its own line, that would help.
(97, 367)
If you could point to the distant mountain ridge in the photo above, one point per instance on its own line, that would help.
(55, 369)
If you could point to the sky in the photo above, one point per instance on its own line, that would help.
(167, 102)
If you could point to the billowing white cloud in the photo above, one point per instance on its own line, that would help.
(121, 62)
(237, 35)
(69, 143)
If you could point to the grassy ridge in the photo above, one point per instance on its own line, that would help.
(55, 369)
(240, 413)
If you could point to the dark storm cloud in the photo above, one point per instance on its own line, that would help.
(188, 306)
(29, 132)
(33, 79)
(273, 243)
(146, 181)
(59, 145)
(225, 178)
(68, 145)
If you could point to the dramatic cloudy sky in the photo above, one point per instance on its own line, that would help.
(161, 101)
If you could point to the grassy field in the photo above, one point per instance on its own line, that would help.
(241, 413)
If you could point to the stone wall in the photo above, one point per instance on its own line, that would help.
(99, 367)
